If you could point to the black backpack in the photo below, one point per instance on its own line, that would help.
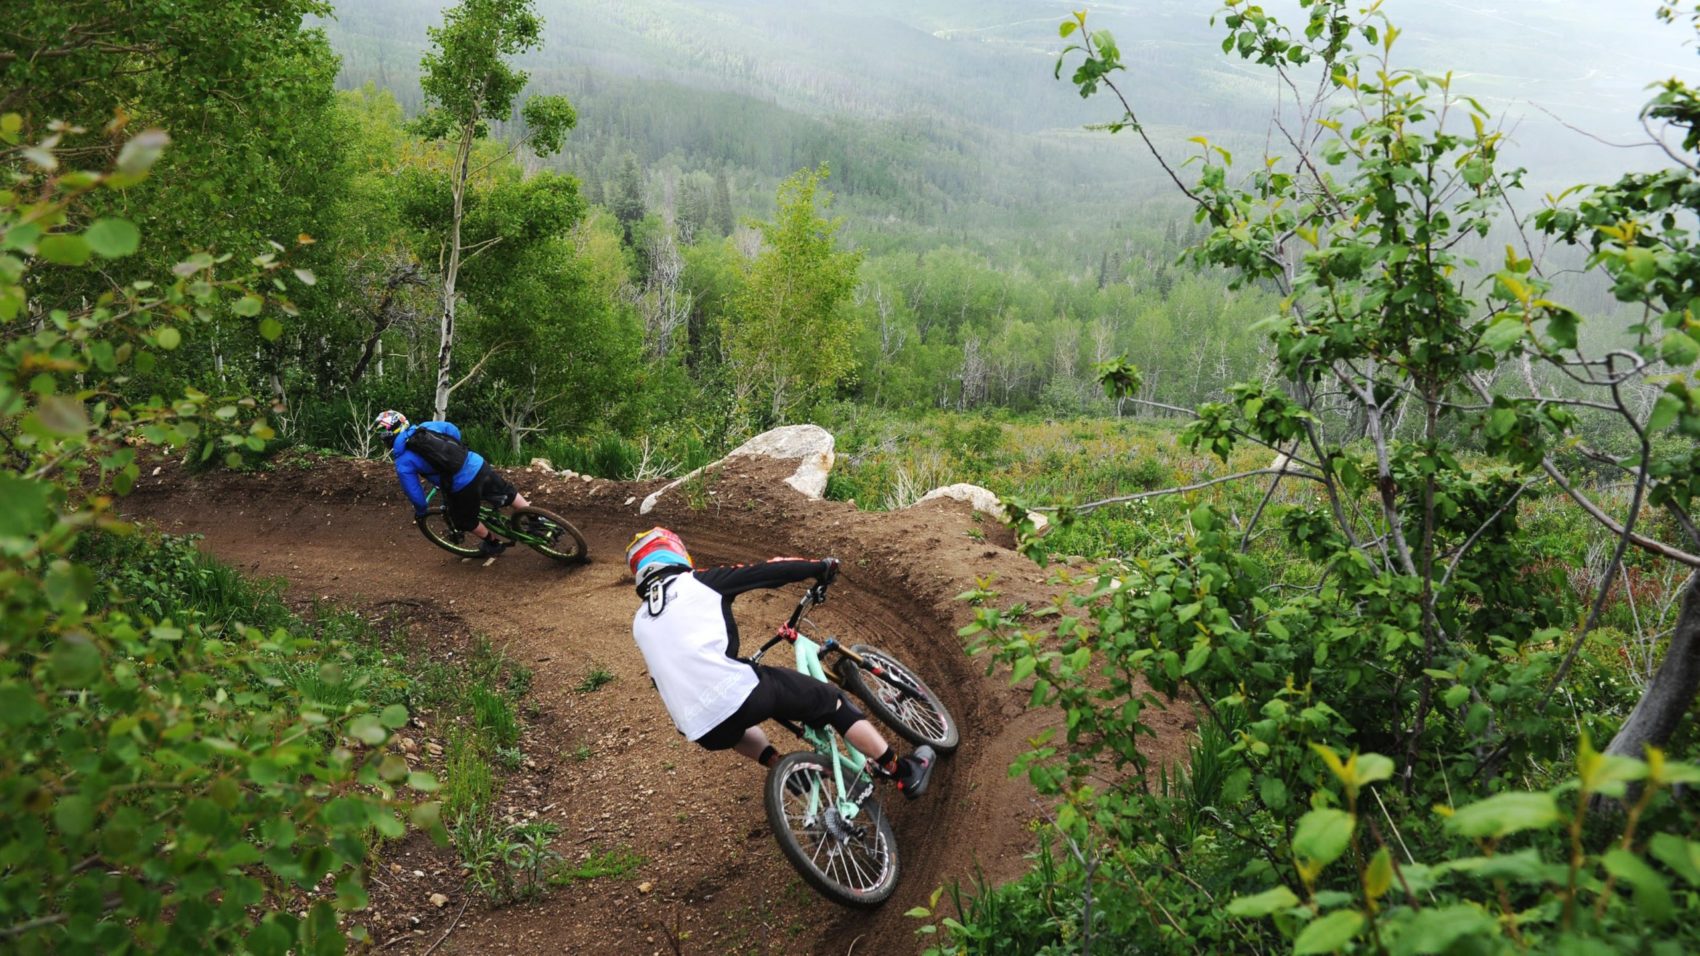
(445, 455)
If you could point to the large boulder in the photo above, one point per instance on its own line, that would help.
(983, 501)
(808, 445)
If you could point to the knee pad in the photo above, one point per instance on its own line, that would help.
(845, 715)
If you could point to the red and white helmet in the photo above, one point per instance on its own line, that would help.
(654, 550)
(390, 421)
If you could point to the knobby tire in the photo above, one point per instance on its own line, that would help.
(434, 525)
(918, 717)
(859, 872)
(569, 547)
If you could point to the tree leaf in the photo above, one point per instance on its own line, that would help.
(1435, 930)
(270, 329)
(1666, 408)
(73, 814)
(1373, 768)
(69, 586)
(113, 238)
(142, 151)
(1679, 349)
(62, 415)
(1330, 933)
(1503, 814)
(23, 506)
(1378, 879)
(1504, 333)
(1322, 835)
(64, 249)
(76, 661)
(168, 338)
(394, 717)
(247, 306)
(1682, 856)
(1652, 893)
(366, 729)
(1264, 903)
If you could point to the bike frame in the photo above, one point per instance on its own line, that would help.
(846, 761)
(494, 519)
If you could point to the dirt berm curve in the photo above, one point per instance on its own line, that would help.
(606, 764)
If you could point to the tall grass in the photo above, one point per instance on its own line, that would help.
(494, 716)
(469, 784)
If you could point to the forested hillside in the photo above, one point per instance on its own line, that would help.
(1348, 352)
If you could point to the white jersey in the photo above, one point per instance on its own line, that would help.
(691, 645)
(685, 647)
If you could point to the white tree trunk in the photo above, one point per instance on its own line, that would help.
(1670, 694)
(446, 339)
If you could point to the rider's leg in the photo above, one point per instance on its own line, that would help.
(872, 744)
(753, 744)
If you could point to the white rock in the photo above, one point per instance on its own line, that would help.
(439, 900)
(983, 501)
(809, 445)
(543, 463)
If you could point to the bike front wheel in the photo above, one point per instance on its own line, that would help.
(849, 861)
(900, 698)
(549, 534)
(434, 525)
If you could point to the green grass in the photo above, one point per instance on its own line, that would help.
(468, 784)
(595, 680)
(493, 713)
(620, 863)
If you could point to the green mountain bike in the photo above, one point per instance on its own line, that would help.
(820, 802)
(539, 529)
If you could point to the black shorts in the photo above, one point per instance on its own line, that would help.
(784, 693)
(487, 485)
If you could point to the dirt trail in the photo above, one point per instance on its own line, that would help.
(607, 765)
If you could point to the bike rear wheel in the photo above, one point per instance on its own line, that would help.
(853, 862)
(900, 698)
(549, 534)
(434, 525)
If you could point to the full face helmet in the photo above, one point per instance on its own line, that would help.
(653, 551)
(389, 422)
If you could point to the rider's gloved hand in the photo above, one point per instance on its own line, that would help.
(831, 573)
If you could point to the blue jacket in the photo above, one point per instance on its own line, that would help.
(410, 468)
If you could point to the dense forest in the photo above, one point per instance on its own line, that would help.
(986, 242)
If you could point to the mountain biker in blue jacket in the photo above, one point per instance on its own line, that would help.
(472, 483)
(717, 699)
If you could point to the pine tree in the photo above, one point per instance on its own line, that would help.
(721, 217)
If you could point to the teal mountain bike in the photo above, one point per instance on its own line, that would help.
(539, 529)
(820, 802)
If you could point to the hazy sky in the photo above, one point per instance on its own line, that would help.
(1587, 62)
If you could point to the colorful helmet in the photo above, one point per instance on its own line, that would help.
(653, 550)
(390, 421)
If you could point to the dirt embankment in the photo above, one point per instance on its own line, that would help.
(606, 765)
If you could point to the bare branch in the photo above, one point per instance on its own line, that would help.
(1095, 505)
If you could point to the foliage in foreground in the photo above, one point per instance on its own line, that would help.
(1397, 756)
(165, 783)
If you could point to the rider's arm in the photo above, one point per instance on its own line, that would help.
(731, 581)
(407, 471)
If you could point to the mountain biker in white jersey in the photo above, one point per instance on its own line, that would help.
(690, 642)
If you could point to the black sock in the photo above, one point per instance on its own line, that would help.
(888, 760)
(768, 753)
